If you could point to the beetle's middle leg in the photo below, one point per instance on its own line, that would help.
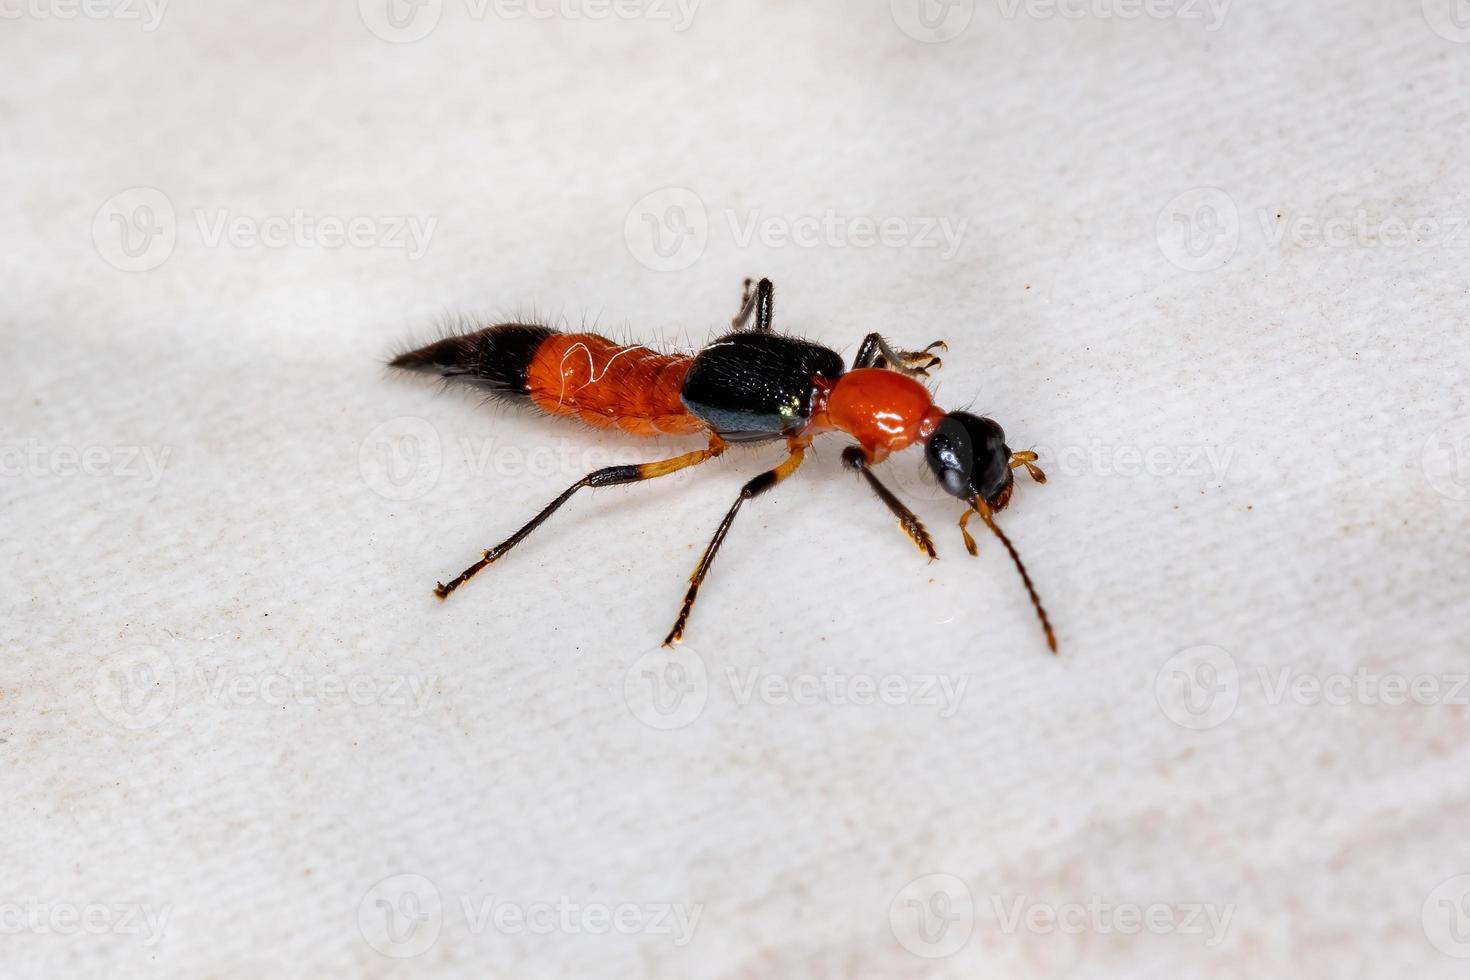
(757, 300)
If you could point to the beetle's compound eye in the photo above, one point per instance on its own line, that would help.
(969, 456)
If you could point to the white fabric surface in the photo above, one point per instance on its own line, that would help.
(229, 702)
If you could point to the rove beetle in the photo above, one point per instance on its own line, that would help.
(750, 385)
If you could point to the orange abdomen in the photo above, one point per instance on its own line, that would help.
(607, 385)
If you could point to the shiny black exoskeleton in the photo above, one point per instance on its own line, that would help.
(969, 456)
(755, 385)
(752, 386)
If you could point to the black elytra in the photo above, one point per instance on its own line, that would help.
(754, 386)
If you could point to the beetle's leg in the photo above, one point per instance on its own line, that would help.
(868, 351)
(921, 362)
(854, 458)
(747, 306)
(606, 477)
(757, 486)
(758, 300)
(1028, 460)
(875, 352)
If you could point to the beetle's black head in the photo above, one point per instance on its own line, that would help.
(970, 458)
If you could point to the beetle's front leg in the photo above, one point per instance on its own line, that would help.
(875, 352)
(854, 458)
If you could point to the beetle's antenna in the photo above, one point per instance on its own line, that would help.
(983, 509)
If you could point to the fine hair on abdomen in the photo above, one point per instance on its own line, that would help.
(583, 376)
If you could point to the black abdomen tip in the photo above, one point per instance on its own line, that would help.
(495, 358)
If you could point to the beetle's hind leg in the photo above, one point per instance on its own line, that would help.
(608, 476)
